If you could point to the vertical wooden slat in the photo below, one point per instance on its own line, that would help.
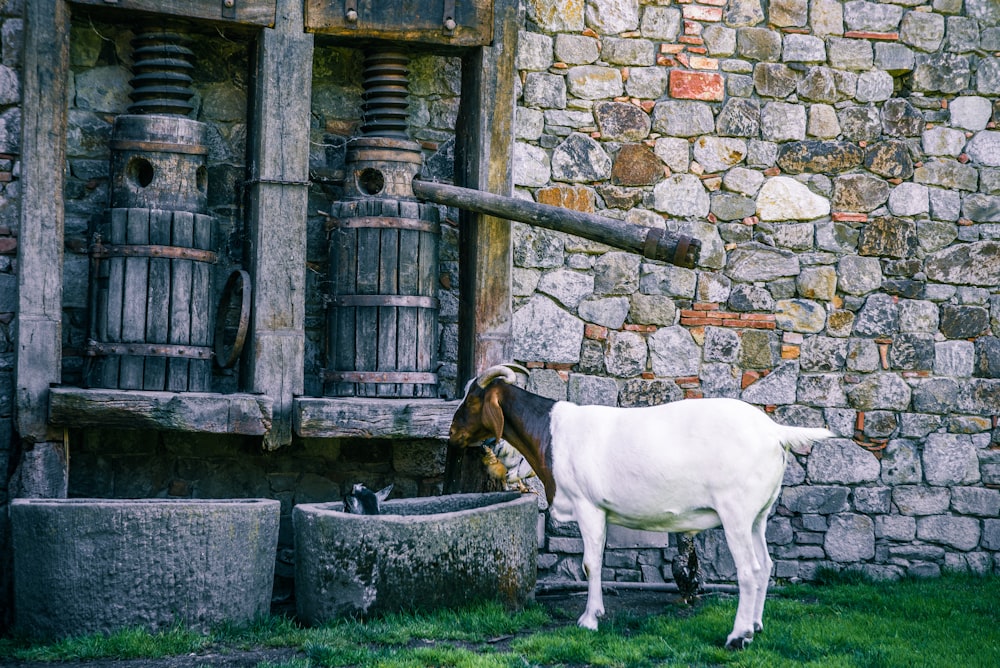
(200, 373)
(134, 300)
(367, 316)
(427, 318)
(178, 368)
(158, 301)
(279, 175)
(44, 77)
(406, 353)
(483, 161)
(115, 298)
(388, 284)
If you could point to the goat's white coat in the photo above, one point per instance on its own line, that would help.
(681, 467)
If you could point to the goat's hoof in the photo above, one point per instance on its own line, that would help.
(738, 643)
(588, 621)
(758, 627)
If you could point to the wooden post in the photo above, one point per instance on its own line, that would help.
(279, 169)
(40, 244)
(483, 151)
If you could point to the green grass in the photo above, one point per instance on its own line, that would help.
(947, 622)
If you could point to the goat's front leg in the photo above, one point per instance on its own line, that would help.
(593, 528)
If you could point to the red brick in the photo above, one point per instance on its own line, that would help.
(8, 245)
(757, 316)
(749, 378)
(567, 197)
(686, 85)
(751, 324)
(790, 352)
(697, 321)
(693, 394)
(702, 63)
(848, 217)
(862, 34)
(690, 39)
(714, 3)
(6, 177)
(705, 306)
(687, 381)
(671, 48)
(597, 332)
(772, 171)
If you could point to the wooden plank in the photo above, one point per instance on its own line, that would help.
(158, 304)
(483, 153)
(365, 336)
(178, 369)
(134, 304)
(406, 21)
(167, 411)
(277, 210)
(246, 12)
(202, 309)
(118, 220)
(388, 284)
(44, 105)
(345, 258)
(373, 418)
(427, 319)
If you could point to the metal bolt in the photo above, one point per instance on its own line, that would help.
(228, 3)
(351, 16)
(449, 24)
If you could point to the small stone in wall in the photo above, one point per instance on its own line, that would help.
(941, 72)
(976, 263)
(874, 86)
(900, 119)
(850, 54)
(860, 123)
(673, 353)
(963, 322)
(912, 352)
(778, 387)
(823, 122)
(901, 463)
(909, 199)
(859, 192)
(639, 392)
(954, 359)
(784, 198)
(557, 15)
(774, 80)
(718, 154)
(594, 82)
(683, 118)
(576, 49)
(880, 391)
(987, 363)
(970, 112)
(580, 159)
(922, 30)
(888, 236)
(819, 157)
(746, 298)
(781, 121)
(610, 17)
(694, 85)
(800, 315)
(984, 148)
(636, 165)
(823, 353)
(878, 317)
(682, 195)
(608, 312)
(850, 538)
(544, 332)
(890, 159)
(759, 44)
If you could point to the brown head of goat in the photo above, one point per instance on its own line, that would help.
(495, 407)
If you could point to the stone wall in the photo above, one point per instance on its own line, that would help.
(839, 162)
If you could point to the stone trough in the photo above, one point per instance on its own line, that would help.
(419, 554)
(100, 565)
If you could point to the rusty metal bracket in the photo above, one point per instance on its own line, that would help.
(98, 348)
(383, 222)
(229, 9)
(448, 23)
(415, 377)
(238, 283)
(101, 251)
(405, 301)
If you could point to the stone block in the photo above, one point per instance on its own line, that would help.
(921, 500)
(961, 533)
(841, 461)
(850, 538)
(895, 527)
(978, 501)
(950, 459)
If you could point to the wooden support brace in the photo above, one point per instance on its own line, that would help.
(277, 214)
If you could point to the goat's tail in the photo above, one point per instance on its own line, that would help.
(794, 437)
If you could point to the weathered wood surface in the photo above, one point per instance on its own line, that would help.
(404, 21)
(352, 417)
(248, 12)
(655, 244)
(279, 169)
(40, 245)
(483, 153)
(167, 411)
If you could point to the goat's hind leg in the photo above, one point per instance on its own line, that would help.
(764, 575)
(593, 529)
(740, 543)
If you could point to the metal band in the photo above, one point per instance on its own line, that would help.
(239, 281)
(680, 253)
(383, 155)
(411, 301)
(161, 146)
(385, 222)
(98, 348)
(414, 377)
(100, 250)
(652, 239)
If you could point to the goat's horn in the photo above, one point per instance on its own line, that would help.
(502, 371)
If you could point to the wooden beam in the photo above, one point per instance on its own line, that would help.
(247, 12)
(40, 242)
(196, 412)
(279, 181)
(483, 151)
(373, 418)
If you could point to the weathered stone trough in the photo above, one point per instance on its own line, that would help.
(419, 554)
(98, 565)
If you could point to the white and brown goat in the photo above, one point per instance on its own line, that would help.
(684, 467)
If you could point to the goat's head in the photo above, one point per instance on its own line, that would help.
(480, 416)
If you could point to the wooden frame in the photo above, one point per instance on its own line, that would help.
(274, 362)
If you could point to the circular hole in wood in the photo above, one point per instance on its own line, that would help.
(140, 171)
(371, 181)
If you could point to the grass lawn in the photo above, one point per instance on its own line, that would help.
(953, 621)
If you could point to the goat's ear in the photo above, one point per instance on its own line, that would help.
(492, 413)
